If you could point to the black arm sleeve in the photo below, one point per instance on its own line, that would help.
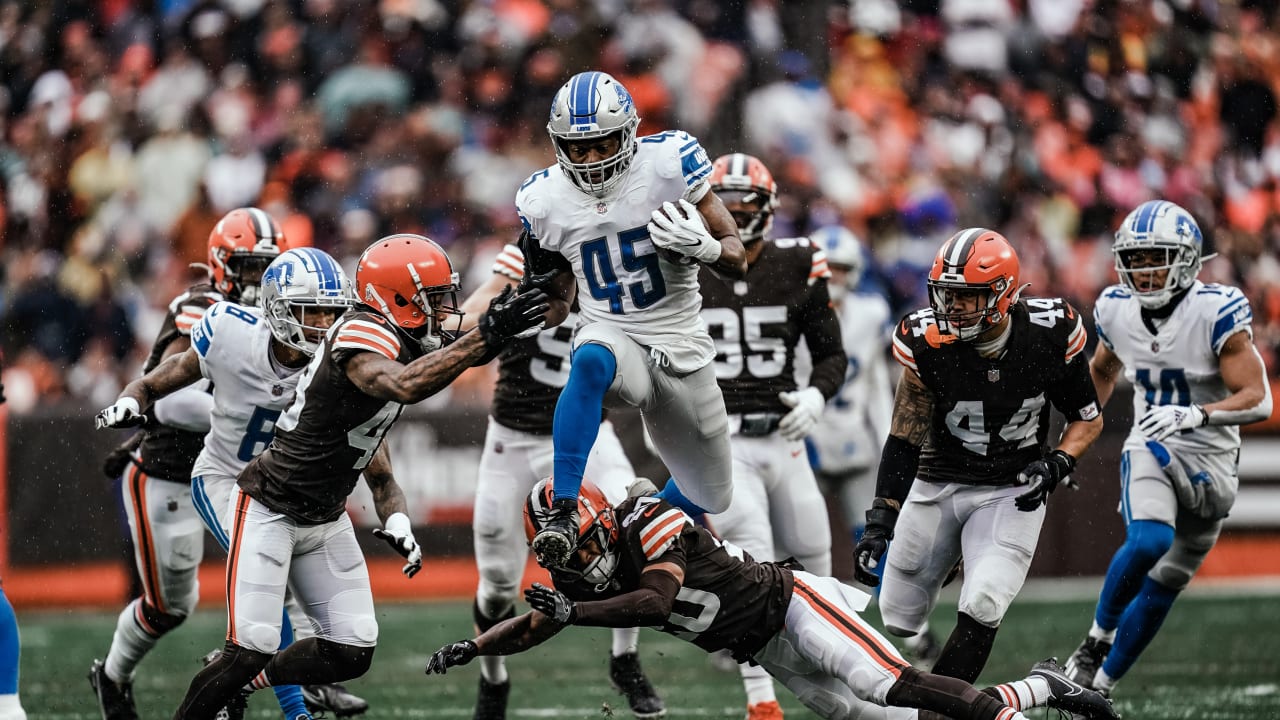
(898, 464)
(647, 605)
(821, 330)
(1074, 392)
(537, 260)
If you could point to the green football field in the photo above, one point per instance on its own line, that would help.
(1216, 657)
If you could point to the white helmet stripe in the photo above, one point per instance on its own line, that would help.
(961, 245)
(261, 225)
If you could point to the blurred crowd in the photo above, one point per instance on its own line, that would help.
(128, 127)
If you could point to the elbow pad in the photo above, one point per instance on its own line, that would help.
(899, 461)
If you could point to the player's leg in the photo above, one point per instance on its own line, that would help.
(925, 546)
(168, 546)
(997, 542)
(688, 424)
(211, 496)
(10, 650)
(797, 510)
(258, 561)
(1149, 508)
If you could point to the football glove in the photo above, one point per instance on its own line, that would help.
(1043, 477)
(806, 407)
(399, 535)
(513, 315)
(452, 655)
(124, 413)
(1198, 493)
(550, 602)
(1162, 421)
(881, 519)
(681, 230)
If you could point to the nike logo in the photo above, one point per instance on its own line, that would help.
(796, 453)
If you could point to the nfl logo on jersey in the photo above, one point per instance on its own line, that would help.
(993, 375)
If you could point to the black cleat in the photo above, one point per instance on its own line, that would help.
(628, 678)
(235, 708)
(1070, 696)
(115, 700)
(491, 702)
(556, 539)
(1083, 664)
(333, 698)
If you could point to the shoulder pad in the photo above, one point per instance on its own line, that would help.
(1232, 313)
(366, 332)
(808, 256)
(654, 525)
(917, 332)
(1060, 320)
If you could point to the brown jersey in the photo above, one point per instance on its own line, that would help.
(168, 453)
(758, 321)
(991, 415)
(330, 432)
(531, 374)
(727, 601)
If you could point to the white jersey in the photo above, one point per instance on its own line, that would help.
(856, 420)
(622, 279)
(234, 344)
(1179, 364)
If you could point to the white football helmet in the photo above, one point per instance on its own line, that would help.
(302, 279)
(1162, 226)
(593, 105)
(844, 251)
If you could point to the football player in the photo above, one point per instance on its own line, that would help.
(965, 470)
(10, 651)
(625, 224)
(1188, 349)
(517, 453)
(289, 521)
(757, 322)
(645, 562)
(253, 359)
(167, 534)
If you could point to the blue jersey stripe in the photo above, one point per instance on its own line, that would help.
(695, 167)
(1226, 326)
(1231, 306)
(200, 340)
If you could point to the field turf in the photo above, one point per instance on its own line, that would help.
(1216, 658)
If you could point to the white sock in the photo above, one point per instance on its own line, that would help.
(128, 646)
(11, 709)
(1024, 694)
(758, 684)
(1097, 633)
(625, 641)
(1010, 714)
(1103, 683)
(259, 682)
(913, 643)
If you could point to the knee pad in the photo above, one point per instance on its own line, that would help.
(1149, 540)
(1175, 568)
(158, 621)
(349, 661)
(594, 365)
(986, 606)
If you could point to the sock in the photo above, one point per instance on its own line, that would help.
(10, 648)
(1103, 683)
(624, 641)
(1138, 626)
(1145, 542)
(577, 417)
(966, 651)
(671, 493)
(11, 708)
(914, 642)
(289, 696)
(758, 684)
(1023, 694)
(129, 645)
(1098, 633)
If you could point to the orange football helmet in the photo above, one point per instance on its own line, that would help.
(741, 179)
(410, 281)
(241, 246)
(973, 261)
(595, 522)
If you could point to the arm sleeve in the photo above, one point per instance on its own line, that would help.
(1074, 394)
(821, 330)
(187, 409)
(647, 605)
(898, 464)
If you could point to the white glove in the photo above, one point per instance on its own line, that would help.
(399, 535)
(807, 406)
(681, 230)
(1164, 420)
(125, 413)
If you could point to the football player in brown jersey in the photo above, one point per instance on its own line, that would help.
(290, 522)
(168, 536)
(644, 562)
(966, 471)
(757, 323)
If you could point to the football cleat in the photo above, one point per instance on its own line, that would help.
(768, 710)
(628, 678)
(553, 543)
(491, 702)
(235, 707)
(115, 700)
(1083, 664)
(1070, 696)
(333, 698)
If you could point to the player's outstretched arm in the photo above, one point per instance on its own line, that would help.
(506, 638)
(1245, 375)
(386, 379)
(1104, 369)
(173, 373)
(733, 256)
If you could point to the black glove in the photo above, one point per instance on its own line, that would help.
(513, 314)
(549, 602)
(539, 262)
(452, 655)
(875, 541)
(1043, 476)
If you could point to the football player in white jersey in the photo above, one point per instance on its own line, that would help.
(1188, 349)
(253, 359)
(625, 223)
